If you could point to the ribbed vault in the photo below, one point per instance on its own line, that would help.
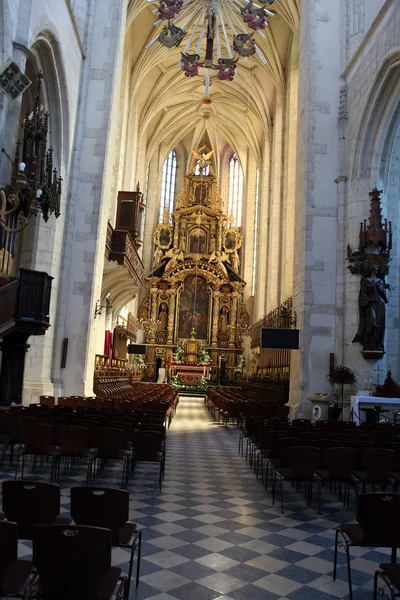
(170, 105)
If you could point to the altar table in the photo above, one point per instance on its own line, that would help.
(394, 403)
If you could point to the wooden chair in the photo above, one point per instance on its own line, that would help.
(378, 526)
(74, 561)
(14, 573)
(109, 508)
(30, 503)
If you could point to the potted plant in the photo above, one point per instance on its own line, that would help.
(342, 375)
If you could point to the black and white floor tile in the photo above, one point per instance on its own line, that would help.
(212, 533)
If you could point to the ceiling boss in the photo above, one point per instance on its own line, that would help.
(218, 33)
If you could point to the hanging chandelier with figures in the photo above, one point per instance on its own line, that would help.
(207, 25)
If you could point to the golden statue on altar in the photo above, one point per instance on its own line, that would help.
(191, 349)
(195, 292)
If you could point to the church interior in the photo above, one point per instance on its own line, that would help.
(199, 268)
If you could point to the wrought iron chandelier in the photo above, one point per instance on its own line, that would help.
(207, 23)
(35, 184)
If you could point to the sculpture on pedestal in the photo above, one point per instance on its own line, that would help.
(372, 310)
(372, 262)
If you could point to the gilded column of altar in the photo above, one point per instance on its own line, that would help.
(153, 292)
(214, 329)
(232, 333)
(176, 233)
(171, 316)
(219, 238)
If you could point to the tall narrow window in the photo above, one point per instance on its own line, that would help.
(168, 185)
(235, 191)
(255, 236)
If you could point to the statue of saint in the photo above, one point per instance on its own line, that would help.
(235, 262)
(223, 320)
(371, 302)
(158, 256)
(163, 316)
(219, 258)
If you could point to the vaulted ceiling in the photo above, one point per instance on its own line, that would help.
(171, 105)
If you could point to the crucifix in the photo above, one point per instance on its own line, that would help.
(378, 370)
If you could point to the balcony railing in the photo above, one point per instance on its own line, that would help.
(120, 247)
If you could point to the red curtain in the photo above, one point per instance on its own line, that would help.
(108, 343)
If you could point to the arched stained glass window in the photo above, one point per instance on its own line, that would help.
(235, 194)
(168, 185)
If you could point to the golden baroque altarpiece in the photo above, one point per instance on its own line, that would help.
(194, 289)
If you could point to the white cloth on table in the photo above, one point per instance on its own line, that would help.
(162, 372)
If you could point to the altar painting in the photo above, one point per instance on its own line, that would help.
(198, 242)
(193, 309)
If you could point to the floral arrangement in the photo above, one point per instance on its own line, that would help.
(202, 387)
(179, 354)
(203, 355)
(342, 375)
(138, 362)
(241, 364)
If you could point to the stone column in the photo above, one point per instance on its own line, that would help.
(171, 316)
(215, 317)
(14, 349)
(275, 248)
(315, 244)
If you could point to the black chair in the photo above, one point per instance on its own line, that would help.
(73, 441)
(31, 503)
(390, 574)
(109, 508)
(378, 526)
(14, 573)
(148, 446)
(301, 464)
(377, 464)
(339, 466)
(74, 561)
(110, 444)
(38, 441)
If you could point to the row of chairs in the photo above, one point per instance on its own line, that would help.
(339, 455)
(149, 393)
(86, 440)
(233, 404)
(31, 504)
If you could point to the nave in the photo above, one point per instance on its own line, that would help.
(213, 533)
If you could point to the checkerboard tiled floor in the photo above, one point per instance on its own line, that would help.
(213, 533)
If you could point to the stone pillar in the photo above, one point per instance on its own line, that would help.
(215, 318)
(315, 245)
(262, 241)
(15, 47)
(91, 179)
(275, 248)
(13, 348)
